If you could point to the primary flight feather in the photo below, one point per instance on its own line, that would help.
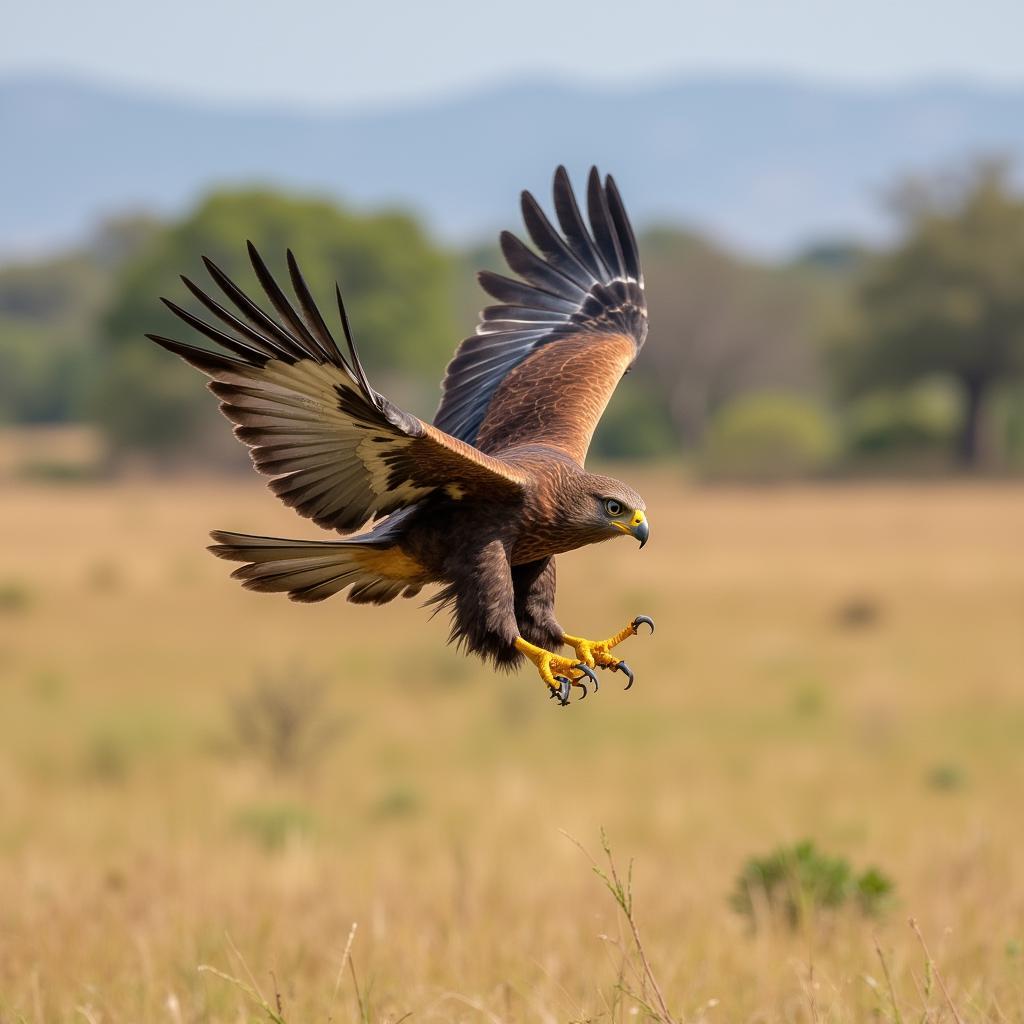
(482, 500)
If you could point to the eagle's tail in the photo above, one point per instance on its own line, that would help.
(309, 570)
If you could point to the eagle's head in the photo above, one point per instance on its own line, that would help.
(607, 508)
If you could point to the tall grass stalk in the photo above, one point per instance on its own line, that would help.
(933, 971)
(622, 892)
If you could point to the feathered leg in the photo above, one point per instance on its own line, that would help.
(540, 633)
(484, 603)
(534, 586)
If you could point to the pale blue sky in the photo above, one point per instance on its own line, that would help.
(338, 52)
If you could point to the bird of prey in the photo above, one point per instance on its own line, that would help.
(481, 500)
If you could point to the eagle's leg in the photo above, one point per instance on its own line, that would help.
(596, 653)
(559, 673)
(534, 587)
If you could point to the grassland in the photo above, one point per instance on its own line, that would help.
(844, 664)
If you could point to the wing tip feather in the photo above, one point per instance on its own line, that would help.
(581, 277)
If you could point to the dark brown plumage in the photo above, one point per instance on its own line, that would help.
(481, 500)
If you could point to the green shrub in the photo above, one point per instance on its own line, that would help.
(400, 801)
(273, 825)
(919, 419)
(946, 777)
(635, 425)
(58, 471)
(107, 757)
(1011, 414)
(810, 699)
(766, 437)
(15, 596)
(799, 882)
(873, 890)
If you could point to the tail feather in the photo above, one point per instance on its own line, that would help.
(315, 570)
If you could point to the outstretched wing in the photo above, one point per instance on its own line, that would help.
(339, 452)
(544, 363)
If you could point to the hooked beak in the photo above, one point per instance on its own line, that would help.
(640, 528)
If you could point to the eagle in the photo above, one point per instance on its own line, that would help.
(482, 500)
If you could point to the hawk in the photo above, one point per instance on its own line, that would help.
(483, 499)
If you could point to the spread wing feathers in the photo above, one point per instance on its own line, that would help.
(340, 453)
(580, 282)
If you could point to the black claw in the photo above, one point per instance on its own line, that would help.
(572, 682)
(626, 671)
(645, 620)
(563, 691)
(589, 672)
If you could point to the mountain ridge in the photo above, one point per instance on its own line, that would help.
(763, 162)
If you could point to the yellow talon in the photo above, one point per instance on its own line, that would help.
(596, 653)
(551, 665)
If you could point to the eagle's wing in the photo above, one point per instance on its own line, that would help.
(339, 452)
(544, 363)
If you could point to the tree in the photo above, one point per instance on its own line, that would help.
(722, 327)
(948, 300)
(47, 310)
(48, 315)
(395, 281)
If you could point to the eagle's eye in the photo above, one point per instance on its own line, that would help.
(612, 507)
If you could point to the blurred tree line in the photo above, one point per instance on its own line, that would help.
(945, 307)
(843, 359)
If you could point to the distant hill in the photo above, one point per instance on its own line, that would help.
(764, 163)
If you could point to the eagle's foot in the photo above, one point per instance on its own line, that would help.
(560, 674)
(596, 653)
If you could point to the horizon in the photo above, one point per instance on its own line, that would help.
(308, 55)
(718, 172)
(540, 81)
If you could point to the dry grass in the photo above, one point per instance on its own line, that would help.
(136, 834)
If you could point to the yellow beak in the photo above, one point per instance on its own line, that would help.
(638, 527)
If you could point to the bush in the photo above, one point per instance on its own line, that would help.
(799, 882)
(107, 758)
(273, 825)
(920, 419)
(859, 611)
(946, 777)
(58, 471)
(284, 719)
(766, 437)
(635, 425)
(400, 801)
(15, 596)
(1009, 423)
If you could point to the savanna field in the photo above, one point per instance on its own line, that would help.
(843, 664)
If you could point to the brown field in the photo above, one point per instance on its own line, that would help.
(844, 664)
